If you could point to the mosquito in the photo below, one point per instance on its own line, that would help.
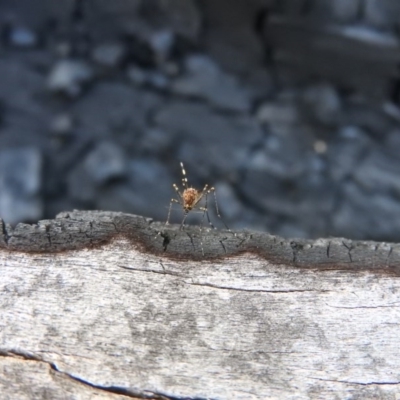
(190, 198)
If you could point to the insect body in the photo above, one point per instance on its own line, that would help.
(190, 198)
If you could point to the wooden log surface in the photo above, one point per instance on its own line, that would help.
(110, 305)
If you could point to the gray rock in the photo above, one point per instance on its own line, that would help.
(282, 156)
(202, 65)
(267, 193)
(144, 77)
(392, 110)
(105, 162)
(155, 141)
(149, 191)
(260, 83)
(81, 186)
(305, 202)
(230, 207)
(115, 109)
(342, 11)
(345, 11)
(250, 219)
(345, 154)
(291, 230)
(392, 141)
(204, 79)
(37, 15)
(25, 115)
(286, 178)
(110, 19)
(122, 198)
(322, 103)
(344, 54)
(383, 14)
(18, 86)
(364, 35)
(170, 68)
(20, 184)
(207, 138)
(229, 35)
(158, 80)
(316, 199)
(182, 16)
(366, 115)
(62, 125)
(68, 77)
(137, 75)
(162, 43)
(108, 55)
(278, 113)
(364, 215)
(291, 7)
(22, 37)
(278, 163)
(197, 160)
(236, 49)
(379, 172)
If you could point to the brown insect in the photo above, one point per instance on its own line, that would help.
(190, 198)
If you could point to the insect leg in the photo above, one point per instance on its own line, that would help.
(170, 207)
(216, 207)
(184, 219)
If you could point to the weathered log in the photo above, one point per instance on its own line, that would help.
(110, 305)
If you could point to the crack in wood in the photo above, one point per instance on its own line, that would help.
(391, 306)
(164, 272)
(372, 383)
(4, 231)
(191, 241)
(166, 240)
(349, 248)
(222, 244)
(256, 290)
(145, 394)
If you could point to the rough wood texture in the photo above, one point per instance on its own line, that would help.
(110, 305)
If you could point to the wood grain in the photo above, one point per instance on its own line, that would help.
(110, 305)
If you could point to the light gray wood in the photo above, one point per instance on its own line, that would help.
(112, 305)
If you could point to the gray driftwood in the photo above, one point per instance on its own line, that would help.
(109, 305)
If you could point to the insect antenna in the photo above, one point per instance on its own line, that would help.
(184, 177)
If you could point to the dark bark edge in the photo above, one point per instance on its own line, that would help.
(88, 229)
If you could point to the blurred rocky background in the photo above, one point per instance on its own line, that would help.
(290, 108)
